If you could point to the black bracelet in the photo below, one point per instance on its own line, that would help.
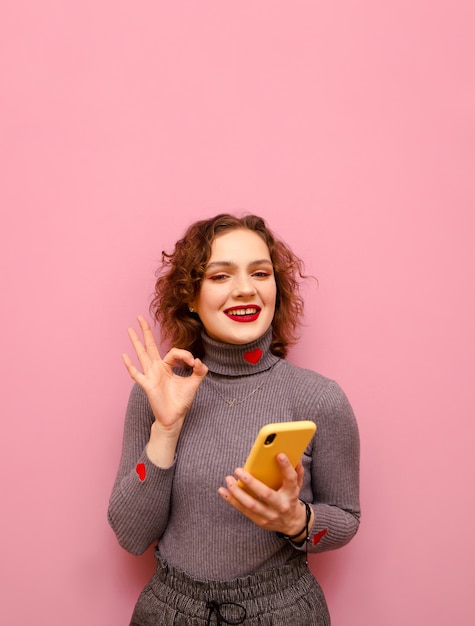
(308, 515)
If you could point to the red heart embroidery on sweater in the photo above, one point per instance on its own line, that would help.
(140, 469)
(318, 536)
(254, 356)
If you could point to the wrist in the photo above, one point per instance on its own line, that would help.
(161, 447)
(169, 433)
(302, 535)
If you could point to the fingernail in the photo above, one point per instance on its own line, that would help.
(241, 474)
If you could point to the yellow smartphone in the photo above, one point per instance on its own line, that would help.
(291, 438)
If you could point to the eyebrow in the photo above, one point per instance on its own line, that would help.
(231, 264)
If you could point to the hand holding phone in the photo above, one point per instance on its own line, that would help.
(291, 438)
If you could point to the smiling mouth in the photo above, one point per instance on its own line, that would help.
(243, 314)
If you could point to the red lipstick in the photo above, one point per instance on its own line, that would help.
(248, 313)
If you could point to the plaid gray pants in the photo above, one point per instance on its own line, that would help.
(286, 596)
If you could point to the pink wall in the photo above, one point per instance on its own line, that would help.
(350, 126)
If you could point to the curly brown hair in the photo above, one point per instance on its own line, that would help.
(179, 279)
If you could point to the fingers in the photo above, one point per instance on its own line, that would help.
(268, 508)
(134, 373)
(300, 472)
(290, 474)
(149, 341)
(177, 355)
(146, 348)
(244, 491)
(252, 507)
(147, 353)
(199, 368)
(291, 482)
(139, 349)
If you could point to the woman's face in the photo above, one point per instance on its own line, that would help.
(236, 301)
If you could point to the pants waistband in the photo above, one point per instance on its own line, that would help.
(259, 584)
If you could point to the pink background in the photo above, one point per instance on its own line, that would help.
(350, 127)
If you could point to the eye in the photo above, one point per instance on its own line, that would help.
(261, 274)
(218, 277)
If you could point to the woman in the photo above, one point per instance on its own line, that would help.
(227, 301)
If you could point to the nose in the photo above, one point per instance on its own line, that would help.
(243, 286)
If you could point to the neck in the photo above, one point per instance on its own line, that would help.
(228, 359)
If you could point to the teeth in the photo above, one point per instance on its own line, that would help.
(242, 312)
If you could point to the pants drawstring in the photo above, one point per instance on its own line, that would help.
(214, 607)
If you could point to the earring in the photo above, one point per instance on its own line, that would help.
(191, 309)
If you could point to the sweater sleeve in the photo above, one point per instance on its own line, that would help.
(333, 489)
(140, 501)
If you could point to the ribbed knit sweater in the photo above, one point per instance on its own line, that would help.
(179, 507)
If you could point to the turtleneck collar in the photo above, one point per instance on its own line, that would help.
(239, 360)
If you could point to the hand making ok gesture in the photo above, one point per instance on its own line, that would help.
(169, 394)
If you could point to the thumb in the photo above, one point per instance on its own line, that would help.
(199, 368)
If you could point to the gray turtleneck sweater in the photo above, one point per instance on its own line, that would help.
(179, 507)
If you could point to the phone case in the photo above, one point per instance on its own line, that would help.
(291, 438)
